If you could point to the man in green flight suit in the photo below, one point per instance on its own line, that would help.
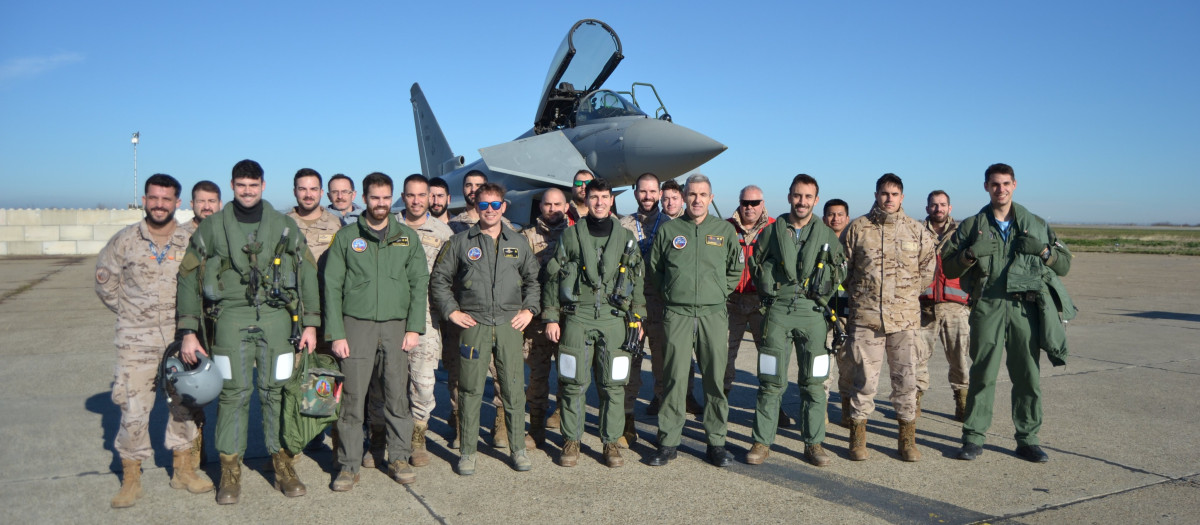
(254, 265)
(376, 282)
(695, 263)
(485, 281)
(1004, 256)
(798, 259)
(595, 278)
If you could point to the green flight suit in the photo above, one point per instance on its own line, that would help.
(582, 275)
(1003, 318)
(252, 322)
(695, 267)
(491, 280)
(785, 264)
(375, 291)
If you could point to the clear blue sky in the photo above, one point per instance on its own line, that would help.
(1094, 103)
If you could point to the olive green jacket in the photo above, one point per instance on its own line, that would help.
(219, 251)
(375, 279)
(585, 271)
(783, 268)
(695, 266)
(491, 280)
(1008, 272)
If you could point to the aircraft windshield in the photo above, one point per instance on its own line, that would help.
(605, 104)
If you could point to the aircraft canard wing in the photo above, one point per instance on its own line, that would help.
(436, 157)
(548, 158)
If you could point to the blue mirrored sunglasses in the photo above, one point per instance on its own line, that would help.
(494, 204)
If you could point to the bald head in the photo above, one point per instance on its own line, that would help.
(553, 206)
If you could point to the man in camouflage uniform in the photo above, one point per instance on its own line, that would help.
(135, 278)
(316, 222)
(579, 205)
(543, 238)
(890, 261)
(423, 360)
(944, 312)
(206, 200)
(439, 199)
(836, 215)
(458, 224)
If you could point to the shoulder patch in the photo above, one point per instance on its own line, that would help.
(714, 240)
(511, 252)
(359, 245)
(102, 275)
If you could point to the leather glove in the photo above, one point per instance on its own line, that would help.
(1029, 245)
(984, 245)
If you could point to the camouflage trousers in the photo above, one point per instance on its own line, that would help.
(868, 349)
(950, 326)
(744, 315)
(133, 390)
(422, 363)
(538, 351)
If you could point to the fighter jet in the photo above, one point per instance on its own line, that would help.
(578, 125)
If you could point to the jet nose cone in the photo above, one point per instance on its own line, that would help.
(666, 149)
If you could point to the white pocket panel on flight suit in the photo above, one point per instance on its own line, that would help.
(222, 362)
(766, 364)
(620, 368)
(820, 366)
(284, 365)
(566, 365)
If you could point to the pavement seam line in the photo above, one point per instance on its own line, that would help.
(1086, 499)
(71, 261)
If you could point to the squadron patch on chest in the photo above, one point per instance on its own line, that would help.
(714, 240)
(679, 242)
(359, 245)
(511, 252)
(402, 241)
(474, 253)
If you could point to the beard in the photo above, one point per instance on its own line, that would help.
(150, 218)
(380, 213)
(437, 210)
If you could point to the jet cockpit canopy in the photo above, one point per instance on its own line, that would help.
(585, 59)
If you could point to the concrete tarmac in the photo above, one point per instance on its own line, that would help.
(1122, 445)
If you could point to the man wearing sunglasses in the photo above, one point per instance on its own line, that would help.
(695, 263)
(485, 282)
(579, 203)
(594, 279)
(462, 222)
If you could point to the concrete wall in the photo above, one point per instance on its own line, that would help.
(64, 232)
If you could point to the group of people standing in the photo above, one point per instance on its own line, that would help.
(390, 294)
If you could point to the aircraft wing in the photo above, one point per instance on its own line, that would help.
(549, 158)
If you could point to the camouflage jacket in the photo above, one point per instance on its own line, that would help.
(189, 226)
(318, 232)
(543, 238)
(891, 261)
(433, 234)
(136, 280)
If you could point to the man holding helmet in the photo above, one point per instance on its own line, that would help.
(135, 278)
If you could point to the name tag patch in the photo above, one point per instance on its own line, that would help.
(359, 245)
(510, 252)
(402, 241)
(909, 246)
(714, 240)
(429, 240)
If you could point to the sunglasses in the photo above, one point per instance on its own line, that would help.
(579, 183)
(751, 204)
(494, 204)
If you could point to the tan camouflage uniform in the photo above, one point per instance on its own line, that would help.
(543, 238)
(891, 260)
(645, 227)
(318, 232)
(423, 360)
(140, 288)
(946, 322)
